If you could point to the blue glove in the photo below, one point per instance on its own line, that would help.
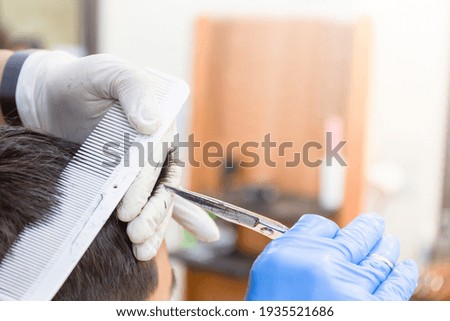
(315, 260)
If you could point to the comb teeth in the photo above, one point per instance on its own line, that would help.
(45, 253)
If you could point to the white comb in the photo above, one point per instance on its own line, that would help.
(46, 252)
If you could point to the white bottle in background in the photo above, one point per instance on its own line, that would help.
(332, 176)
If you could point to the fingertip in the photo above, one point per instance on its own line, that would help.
(401, 283)
(208, 236)
(360, 236)
(409, 271)
(119, 212)
(411, 266)
(195, 220)
(390, 238)
(139, 102)
(372, 218)
(207, 230)
(144, 252)
(122, 214)
(148, 249)
(138, 232)
(311, 217)
(307, 219)
(215, 238)
(316, 225)
(212, 234)
(388, 246)
(130, 206)
(145, 122)
(367, 222)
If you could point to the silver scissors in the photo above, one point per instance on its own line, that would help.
(232, 213)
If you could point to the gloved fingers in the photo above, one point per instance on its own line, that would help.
(147, 250)
(357, 239)
(133, 89)
(383, 257)
(140, 190)
(138, 193)
(195, 220)
(143, 226)
(112, 78)
(312, 224)
(400, 284)
(70, 95)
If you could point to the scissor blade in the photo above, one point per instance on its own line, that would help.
(226, 211)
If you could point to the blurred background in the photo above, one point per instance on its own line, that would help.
(373, 73)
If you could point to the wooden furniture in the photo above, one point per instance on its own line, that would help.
(216, 277)
(218, 287)
(283, 77)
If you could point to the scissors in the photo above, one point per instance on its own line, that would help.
(232, 213)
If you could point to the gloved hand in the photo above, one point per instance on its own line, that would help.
(315, 260)
(66, 96)
(148, 208)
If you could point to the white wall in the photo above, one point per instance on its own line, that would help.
(409, 85)
(159, 34)
(409, 102)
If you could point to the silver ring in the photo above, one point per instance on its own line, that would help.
(382, 259)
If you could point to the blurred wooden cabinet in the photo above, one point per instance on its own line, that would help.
(205, 285)
(280, 77)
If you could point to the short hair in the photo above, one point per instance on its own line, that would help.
(30, 164)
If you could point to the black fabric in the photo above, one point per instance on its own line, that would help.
(9, 86)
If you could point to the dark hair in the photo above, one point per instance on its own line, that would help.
(30, 164)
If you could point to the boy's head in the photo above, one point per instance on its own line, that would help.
(30, 164)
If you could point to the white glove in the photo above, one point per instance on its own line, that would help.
(67, 96)
(149, 208)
